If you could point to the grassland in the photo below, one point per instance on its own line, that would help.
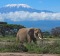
(47, 45)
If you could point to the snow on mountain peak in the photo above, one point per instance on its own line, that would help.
(18, 5)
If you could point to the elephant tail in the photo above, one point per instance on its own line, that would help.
(17, 38)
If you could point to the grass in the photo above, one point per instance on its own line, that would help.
(9, 48)
(49, 45)
(45, 48)
(7, 39)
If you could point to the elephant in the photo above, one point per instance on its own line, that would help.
(29, 35)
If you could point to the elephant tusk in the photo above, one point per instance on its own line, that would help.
(40, 38)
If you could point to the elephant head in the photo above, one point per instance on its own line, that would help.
(35, 33)
(38, 33)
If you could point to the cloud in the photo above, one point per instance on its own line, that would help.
(34, 16)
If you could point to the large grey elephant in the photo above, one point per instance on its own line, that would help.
(29, 35)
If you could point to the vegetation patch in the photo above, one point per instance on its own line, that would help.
(48, 45)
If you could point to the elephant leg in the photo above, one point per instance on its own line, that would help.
(34, 40)
(29, 39)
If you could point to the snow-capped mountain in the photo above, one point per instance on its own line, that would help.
(19, 7)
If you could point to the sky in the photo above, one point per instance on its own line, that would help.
(42, 20)
(52, 5)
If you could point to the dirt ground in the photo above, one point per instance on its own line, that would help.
(26, 54)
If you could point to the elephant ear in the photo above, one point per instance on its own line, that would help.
(31, 32)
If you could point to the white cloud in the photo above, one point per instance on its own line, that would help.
(34, 16)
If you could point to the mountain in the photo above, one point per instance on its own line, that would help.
(20, 7)
(26, 15)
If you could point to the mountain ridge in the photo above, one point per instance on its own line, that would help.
(20, 7)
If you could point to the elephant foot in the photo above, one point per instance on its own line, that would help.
(22, 48)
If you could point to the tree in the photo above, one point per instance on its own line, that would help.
(10, 28)
(55, 31)
(2, 30)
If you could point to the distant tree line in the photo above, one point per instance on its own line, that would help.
(55, 32)
(6, 29)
